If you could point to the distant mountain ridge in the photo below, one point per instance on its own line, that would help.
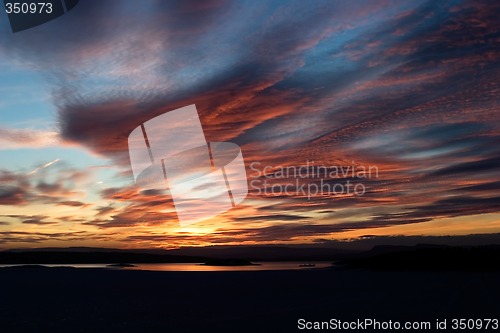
(80, 255)
(83, 255)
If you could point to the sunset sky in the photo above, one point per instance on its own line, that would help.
(408, 87)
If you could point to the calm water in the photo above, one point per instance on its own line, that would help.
(186, 267)
(263, 266)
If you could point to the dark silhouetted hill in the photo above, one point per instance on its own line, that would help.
(86, 255)
(427, 257)
(91, 257)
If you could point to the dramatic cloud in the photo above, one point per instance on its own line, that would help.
(410, 88)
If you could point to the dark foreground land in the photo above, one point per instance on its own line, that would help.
(99, 300)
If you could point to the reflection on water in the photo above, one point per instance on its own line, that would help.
(261, 266)
(193, 267)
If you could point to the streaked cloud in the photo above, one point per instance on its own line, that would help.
(409, 87)
(14, 138)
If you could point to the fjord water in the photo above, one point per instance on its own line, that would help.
(196, 267)
(259, 266)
